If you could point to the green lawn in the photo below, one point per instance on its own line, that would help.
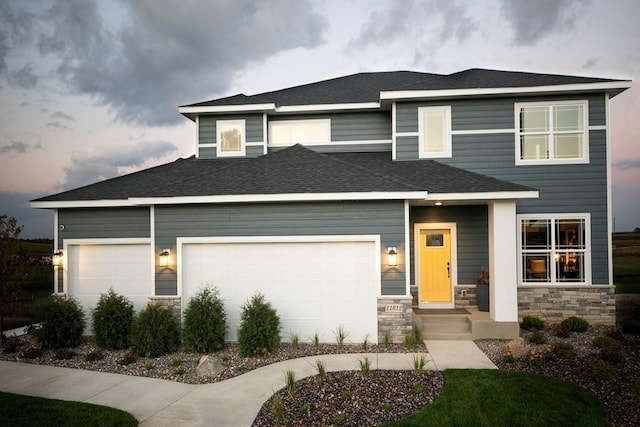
(503, 398)
(19, 410)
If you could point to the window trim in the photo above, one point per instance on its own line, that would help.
(553, 217)
(447, 153)
(549, 105)
(326, 122)
(243, 138)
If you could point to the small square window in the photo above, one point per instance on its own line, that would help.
(434, 130)
(230, 138)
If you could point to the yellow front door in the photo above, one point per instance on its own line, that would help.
(435, 266)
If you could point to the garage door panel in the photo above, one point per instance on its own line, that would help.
(314, 286)
(93, 269)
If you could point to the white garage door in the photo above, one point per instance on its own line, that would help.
(314, 286)
(93, 269)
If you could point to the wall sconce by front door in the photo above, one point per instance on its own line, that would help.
(392, 256)
(165, 256)
(57, 257)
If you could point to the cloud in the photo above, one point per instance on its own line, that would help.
(104, 162)
(61, 115)
(25, 77)
(627, 164)
(590, 63)
(534, 20)
(15, 147)
(38, 223)
(146, 66)
(16, 29)
(57, 125)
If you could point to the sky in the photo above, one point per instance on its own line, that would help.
(90, 89)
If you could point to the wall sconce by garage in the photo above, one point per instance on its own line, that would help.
(392, 256)
(56, 258)
(165, 256)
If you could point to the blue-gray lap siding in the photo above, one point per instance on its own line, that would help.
(102, 223)
(345, 128)
(580, 188)
(291, 219)
(472, 236)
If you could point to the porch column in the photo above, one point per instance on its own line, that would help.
(503, 292)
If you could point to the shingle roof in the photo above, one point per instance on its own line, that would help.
(292, 170)
(366, 87)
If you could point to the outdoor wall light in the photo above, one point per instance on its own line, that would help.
(438, 203)
(56, 258)
(392, 256)
(165, 255)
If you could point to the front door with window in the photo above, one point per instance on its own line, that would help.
(435, 267)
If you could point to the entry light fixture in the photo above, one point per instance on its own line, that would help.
(392, 256)
(438, 203)
(165, 255)
(56, 258)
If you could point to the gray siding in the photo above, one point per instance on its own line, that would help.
(580, 188)
(294, 219)
(102, 223)
(472, 236)
(207, 133)
(345, 148)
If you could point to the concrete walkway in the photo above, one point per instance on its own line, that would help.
(234, 402)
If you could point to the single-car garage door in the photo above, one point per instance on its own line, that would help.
(314, 286)
(93, 269)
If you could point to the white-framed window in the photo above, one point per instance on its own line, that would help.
(434, 131)
(552, 132)
(290, 132)
(554, 249)
(230, 138)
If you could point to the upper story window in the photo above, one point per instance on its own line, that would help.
(230, 138)
(552, 132)
(554, 248)
(434, 131)
(290, 132)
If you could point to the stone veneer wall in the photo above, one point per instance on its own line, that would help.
(170, 302)
(395, 316)
(594, 303)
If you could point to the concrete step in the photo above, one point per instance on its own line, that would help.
(446, 327)
(461, 336)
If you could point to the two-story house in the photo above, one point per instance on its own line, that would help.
(336, 199)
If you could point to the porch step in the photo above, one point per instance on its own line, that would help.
(446, 327)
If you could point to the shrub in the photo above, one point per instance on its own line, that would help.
(65, 354)
(94, 356)
(599, 370)
(604, 341)
(259, 332)
(112, 319)
(155, 332)
(11, 344)
(62, 324)
(128, 359)
(612, 354)
(204, 322)
(530, 323)
(562, 350)
(341, 334)
(561, 331)
(575, 324)
(31, 353)
(636, 387)
(537, 337)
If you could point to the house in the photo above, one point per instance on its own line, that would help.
(336, 199)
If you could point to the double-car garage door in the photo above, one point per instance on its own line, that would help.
(315, 286)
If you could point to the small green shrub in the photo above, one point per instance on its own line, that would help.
(62, 325)
(612, 354)
(386, 338)
(341, 334)
(537, 337)
(599, 370)
(561, 331)
(345, 395)
(205, 322)
(385, 407)
(155, 332)
(65, 354)
(417, 388)
(575, 324)
(175, 363)
(419, 362)
(276, 409)
(604, 341)
(290, 380)
(295, 340)
(112, 320)
(337, 420)
(615, 333)
(322, 369)
(11, 344)
(410, 341)
(259, 333)
(148, 366)
(179, 371)
(365, 342)
(31, 353)
(531, 322)
(304, 409)
(315, 340)
(365, 365)
(128, 359)
(631, 326)
(562, 350)
(94, 356)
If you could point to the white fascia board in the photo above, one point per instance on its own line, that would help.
(410, 94)
(226, 108)
(327, 107)
(494, 195)
(295, 197)
(81, 204)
